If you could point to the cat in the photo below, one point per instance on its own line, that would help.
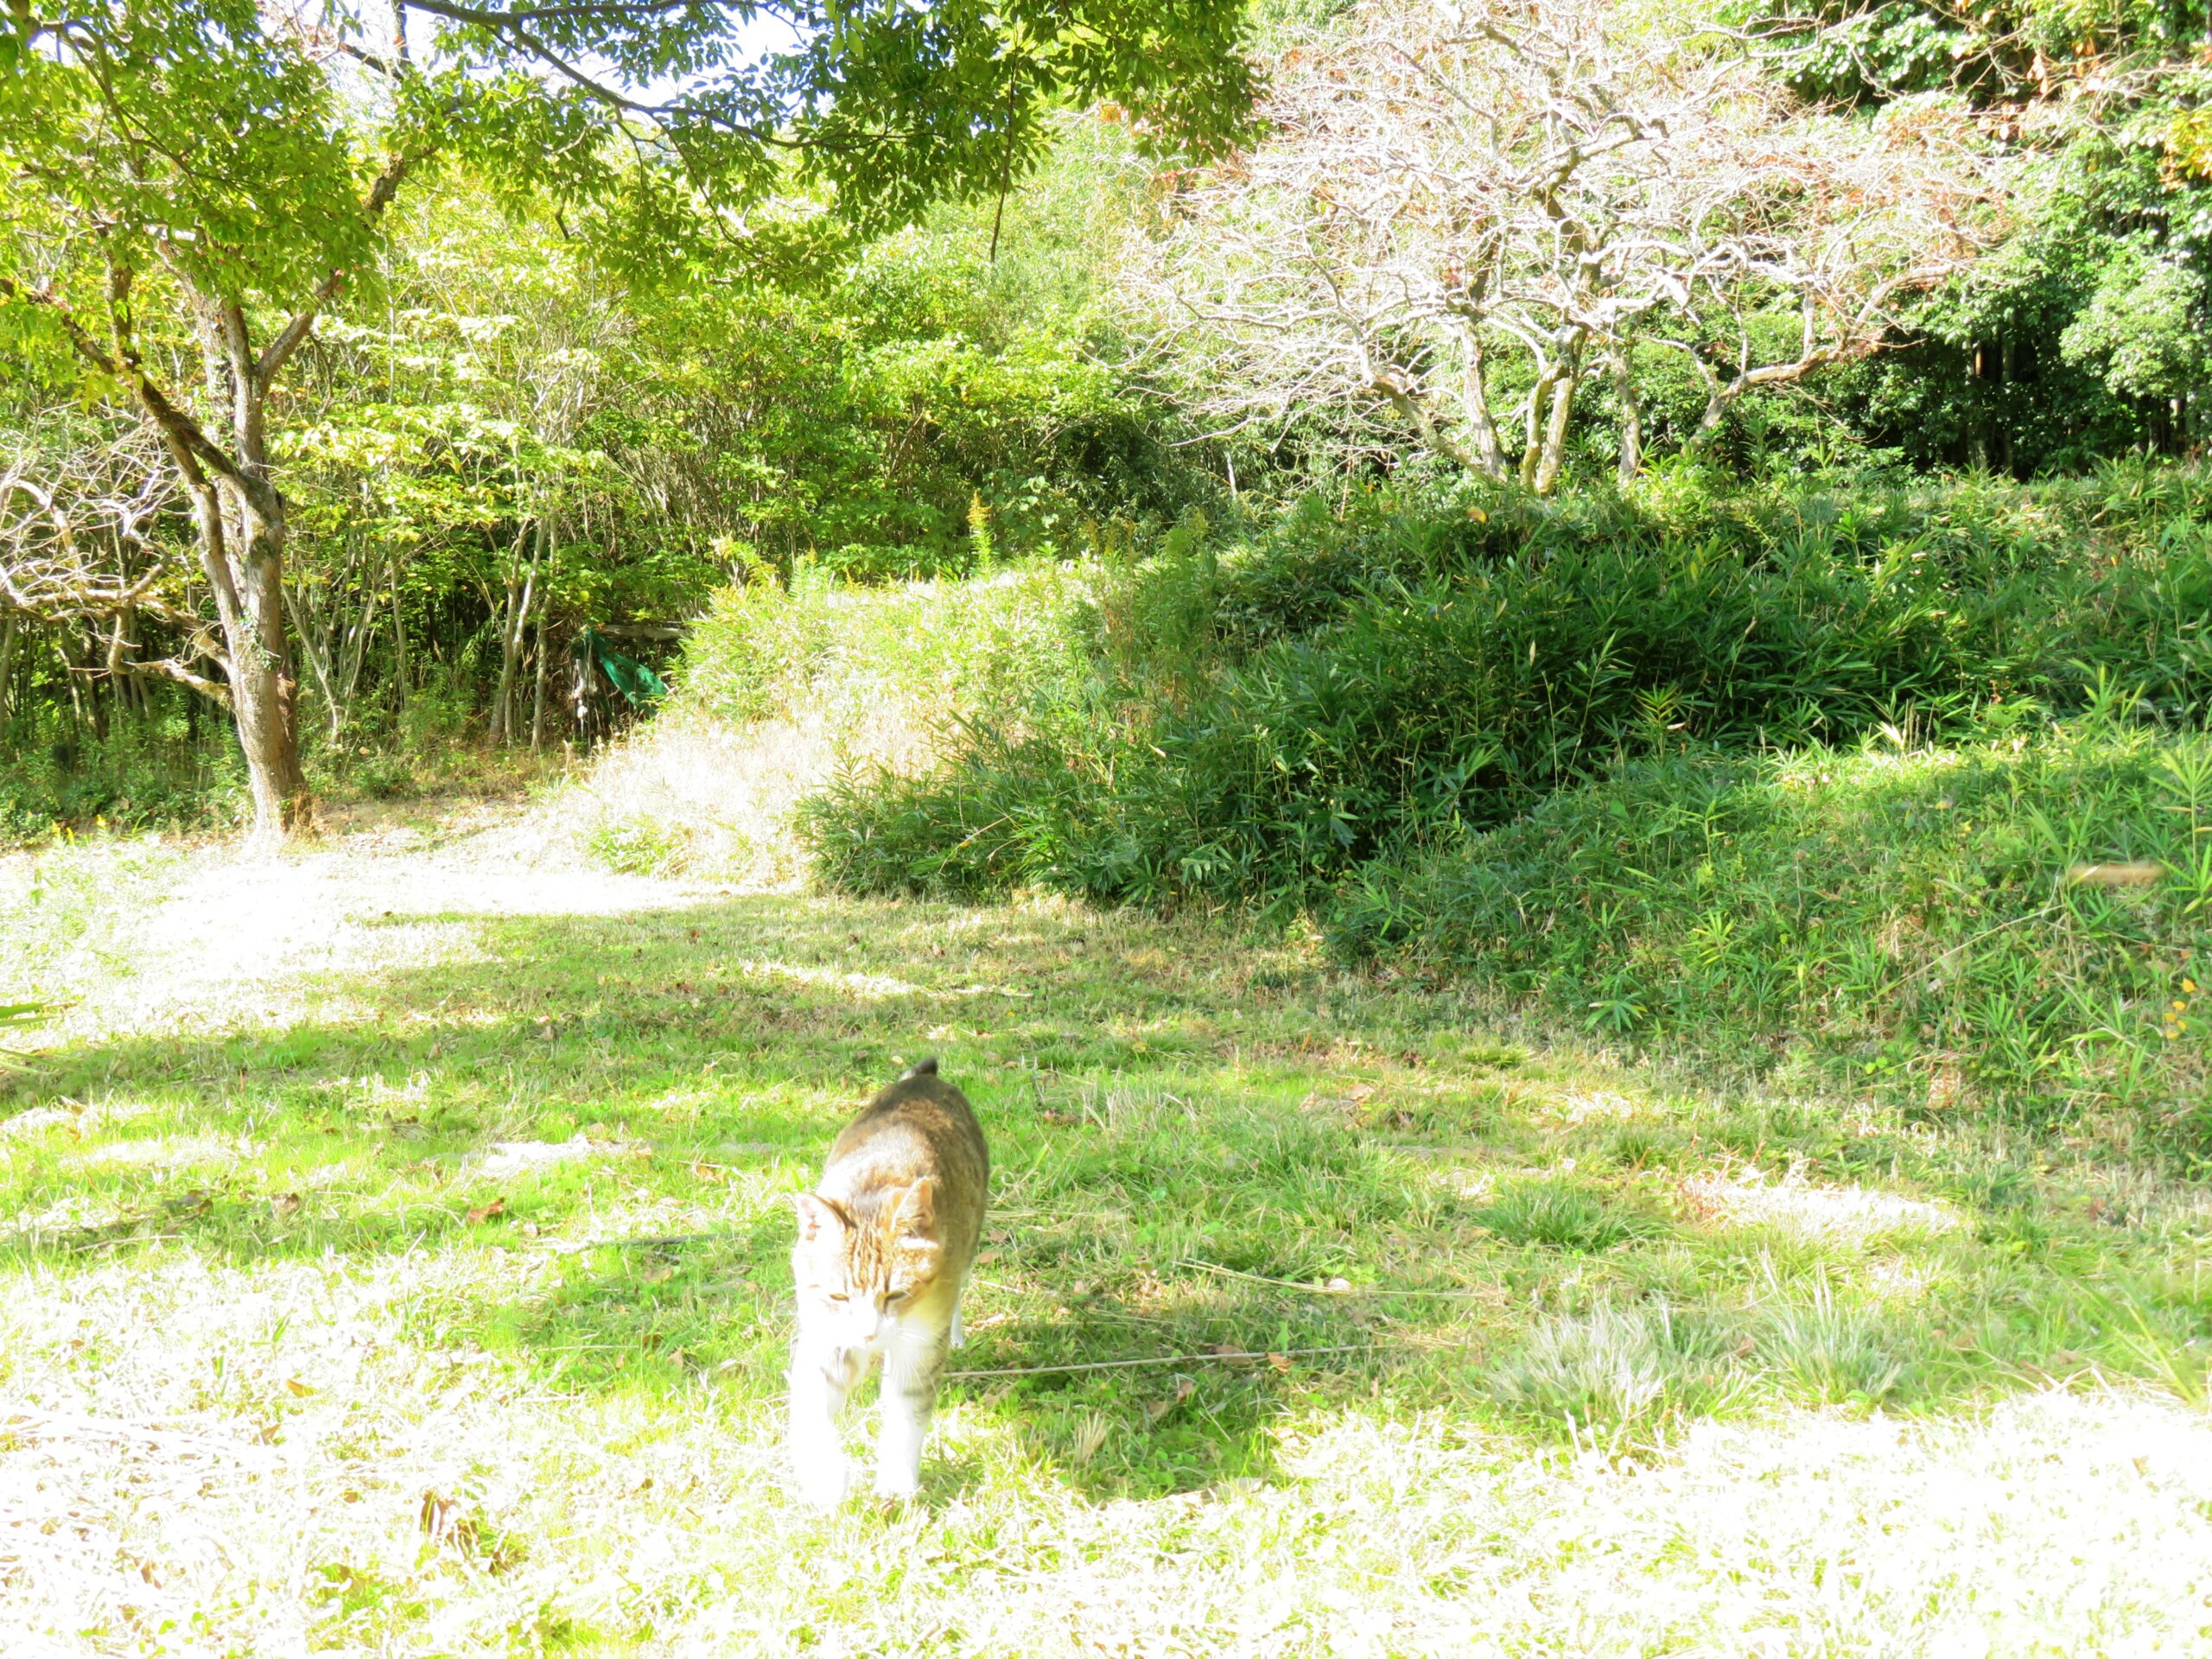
(885, 1243)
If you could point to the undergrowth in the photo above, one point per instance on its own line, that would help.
(1793, 780)
(2017, 920)
(1258, 721)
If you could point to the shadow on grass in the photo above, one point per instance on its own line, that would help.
(706, 1056)
(1187, 1139)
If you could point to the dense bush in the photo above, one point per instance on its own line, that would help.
(136, 779)
(1903, 921)
(1389, 676)
(942, 649)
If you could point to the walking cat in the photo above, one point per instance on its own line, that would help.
(885, 1243)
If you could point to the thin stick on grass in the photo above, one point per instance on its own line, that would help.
(1326, 1290)
(1236, 1357)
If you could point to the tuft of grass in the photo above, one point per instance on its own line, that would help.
(640, 846)
(1621, 1377)
(1565, 1214)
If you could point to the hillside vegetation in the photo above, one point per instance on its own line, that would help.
(1904, 795)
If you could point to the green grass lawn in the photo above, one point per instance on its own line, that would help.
(393, 1262)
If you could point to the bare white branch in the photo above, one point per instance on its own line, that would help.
(1451, 187)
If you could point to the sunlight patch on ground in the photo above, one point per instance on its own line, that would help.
(865, 986)
(221, 942)
(1805, 1209)
(287, 1432)
(165, 1152)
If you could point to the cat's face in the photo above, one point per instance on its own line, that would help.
(859, 1276)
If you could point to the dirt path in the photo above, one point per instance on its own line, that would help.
(168, 938)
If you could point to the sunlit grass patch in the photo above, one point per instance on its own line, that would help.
(1847, 1214)
(473, 1338)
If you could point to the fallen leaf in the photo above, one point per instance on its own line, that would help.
(1156, 1409)
(286, 1203)
(1280, 1362)
(296, 1386)
(443, 1522)
(484, 1212)
(2136, 875)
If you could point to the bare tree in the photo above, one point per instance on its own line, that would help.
(1456, 197)
(93, 534)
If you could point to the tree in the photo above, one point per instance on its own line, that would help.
(2043, 355)
(193, 182)
(1460, 199)
(86, 540)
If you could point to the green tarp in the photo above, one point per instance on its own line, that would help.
(638, 685)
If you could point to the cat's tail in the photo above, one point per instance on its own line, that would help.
(920, 1069)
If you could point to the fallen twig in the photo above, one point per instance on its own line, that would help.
(60, 1426)
(1336, 1290)
(1234, 1357)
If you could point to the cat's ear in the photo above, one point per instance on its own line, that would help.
(817, 1217)
(917, 1212)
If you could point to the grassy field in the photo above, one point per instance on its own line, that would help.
(394, 1262)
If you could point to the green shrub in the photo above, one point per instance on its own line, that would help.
(1902, 920)
(639, 846)
(143, 777)
(945, 648)
(1388, 676)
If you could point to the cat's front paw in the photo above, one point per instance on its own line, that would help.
(822, 1481)
(897, 1484)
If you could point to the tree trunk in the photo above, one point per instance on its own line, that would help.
(1553, 459)
(520, 590)
(538, 694)
(318, 655)
(1474, 404)
(264, 693)
(239, 516)
(398, 642)
(1632, 457)
(8, 630)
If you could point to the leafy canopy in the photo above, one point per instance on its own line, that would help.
(251, 151)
